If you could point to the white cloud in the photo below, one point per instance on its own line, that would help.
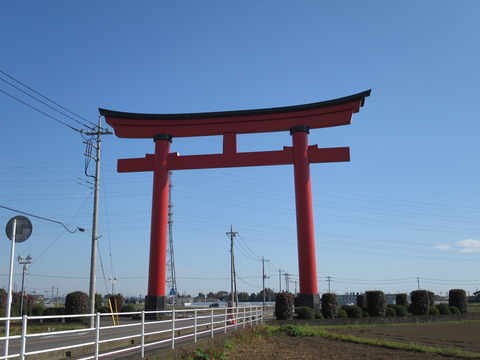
(469, 246)
(443, 247)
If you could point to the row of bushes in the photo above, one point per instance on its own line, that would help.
(75, 303)
(356, 312)
(373, 303)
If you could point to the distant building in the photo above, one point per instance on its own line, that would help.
(351, 299)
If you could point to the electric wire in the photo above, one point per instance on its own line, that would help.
(58, 237)
(44, 103)
(53, 102)
(44, 218)
(254, 256)
(41, 112)
(243, 281)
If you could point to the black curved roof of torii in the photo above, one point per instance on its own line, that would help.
(234, 113)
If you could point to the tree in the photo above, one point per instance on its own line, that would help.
(475, 298)
(243, 297)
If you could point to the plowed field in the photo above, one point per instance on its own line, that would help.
(464, 336)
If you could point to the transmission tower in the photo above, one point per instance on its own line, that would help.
(171, 279)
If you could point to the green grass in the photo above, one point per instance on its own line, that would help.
(474, 308)
(401, 324)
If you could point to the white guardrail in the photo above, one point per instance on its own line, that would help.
(134, 333)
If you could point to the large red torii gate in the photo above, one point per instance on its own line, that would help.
(297, 119)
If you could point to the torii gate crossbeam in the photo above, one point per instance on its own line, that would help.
(296, 119)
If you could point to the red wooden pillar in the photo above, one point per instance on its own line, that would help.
(304, 210)
(156, 299)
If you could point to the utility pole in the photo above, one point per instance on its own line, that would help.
(329, 280)
(418, 283)
(233, 280)
(263, 279)
(279, 280)
(287, 282)
(97, 134)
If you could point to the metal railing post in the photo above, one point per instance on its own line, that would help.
(195, 325)
(173, 328)
(211, 319)
(244, 319)
(225, 321)
(142, 339)
(24, 337)
(97, 335)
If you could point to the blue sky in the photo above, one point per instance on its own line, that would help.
(404, 207)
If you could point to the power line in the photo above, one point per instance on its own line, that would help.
(46, 98)
(47, 105)
(43, 218)
(40, 111)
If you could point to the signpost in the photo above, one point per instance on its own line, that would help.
(18, 229)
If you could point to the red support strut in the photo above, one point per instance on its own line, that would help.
(304, 210)
(158, 234)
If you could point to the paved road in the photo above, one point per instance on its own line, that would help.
(87, 336)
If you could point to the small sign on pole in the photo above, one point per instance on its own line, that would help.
(23, 228)
(18, 229)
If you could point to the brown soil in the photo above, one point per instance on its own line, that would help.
(463, 336)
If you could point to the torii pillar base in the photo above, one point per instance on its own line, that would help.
(311, 300)
(155, 303)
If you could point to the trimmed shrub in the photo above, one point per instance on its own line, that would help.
(37, 310)
(306, 312)
(390, 311)
(401, 299)
(98, 302)
(365, 313)
(319, 316)
(454, 310)
(362, 301)
(341, 314)
(376, 303)
(104, 310)
(329, 305)
(420, 302)
(431, 298)
(458, 298)
(284, 306)
(76, 303)
(3, 299)
(127, 308)
(353, 311)
(401, 310)
(443, 309)
(53, 312)
(432, 310)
